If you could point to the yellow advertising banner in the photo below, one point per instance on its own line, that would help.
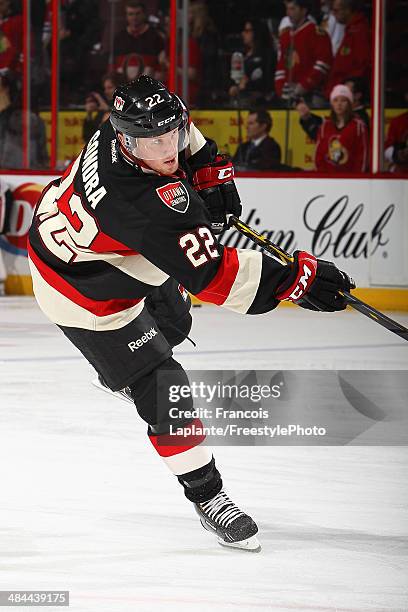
(69, 131)
(220, 125)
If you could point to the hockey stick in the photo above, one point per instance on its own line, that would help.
(284, 258)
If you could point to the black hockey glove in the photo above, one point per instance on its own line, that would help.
(315, 284)
(215, 184)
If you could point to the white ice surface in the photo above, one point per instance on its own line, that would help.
(87, 506)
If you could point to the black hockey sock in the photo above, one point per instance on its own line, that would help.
(202, 484)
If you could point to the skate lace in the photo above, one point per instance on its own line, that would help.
(221, 509)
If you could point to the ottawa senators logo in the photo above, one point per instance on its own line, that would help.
(337, 153)
(175, 196)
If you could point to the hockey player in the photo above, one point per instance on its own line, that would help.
(113, 244)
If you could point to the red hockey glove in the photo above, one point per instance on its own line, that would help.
(215, 184)
(314, 284)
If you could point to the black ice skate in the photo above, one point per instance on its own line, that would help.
(233, 527)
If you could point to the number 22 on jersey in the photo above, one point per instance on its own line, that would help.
(65, 228)
(199, 246)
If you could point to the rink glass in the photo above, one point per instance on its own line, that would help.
(51, 86)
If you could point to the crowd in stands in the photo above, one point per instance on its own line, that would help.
(288, 54)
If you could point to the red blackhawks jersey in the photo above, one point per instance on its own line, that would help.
(397, 137)
(305, 57)
(107, 233)
(11, 43)
(342, 150)
(353, 56)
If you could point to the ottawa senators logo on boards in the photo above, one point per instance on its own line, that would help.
(175, 196)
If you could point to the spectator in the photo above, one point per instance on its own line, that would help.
(98, 107)
(114, 20)
(329, 23)
(396, 144)
(342, 138)
(133, 66)
(193, 72)
(80, 31)
(97, 111)
(6, 110)
(258, 54)
(11, 39)
(138, 38)
(110, 82)
(203, 31)
(305, 56)
(261, 151)
(38, 12)
(353, 56)
(11, 133)
(310, 122)
(194, 66)
(286, 22)
(396, 53)
(358, 88)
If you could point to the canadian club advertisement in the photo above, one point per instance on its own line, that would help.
(358, 223)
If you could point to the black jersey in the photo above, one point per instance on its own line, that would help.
(108, 232)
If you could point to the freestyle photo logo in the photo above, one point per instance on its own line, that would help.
(245, 431)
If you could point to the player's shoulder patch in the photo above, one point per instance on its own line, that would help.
(175, 196)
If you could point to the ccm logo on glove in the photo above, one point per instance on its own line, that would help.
(306, 273)
(215, 184)
(225, 173)
(315, 284)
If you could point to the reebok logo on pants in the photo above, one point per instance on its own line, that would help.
(136, 344)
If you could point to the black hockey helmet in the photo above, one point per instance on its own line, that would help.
(144, 108)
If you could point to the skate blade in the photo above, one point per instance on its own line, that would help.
(119, 394)
(250, 545)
